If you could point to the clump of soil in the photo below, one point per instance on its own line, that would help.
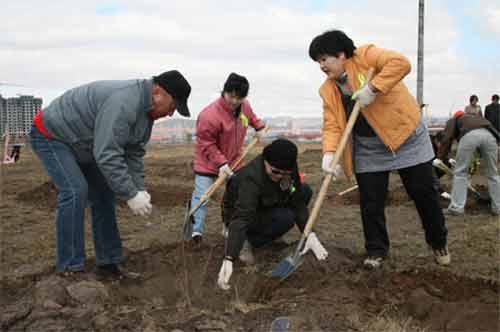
(43, 196)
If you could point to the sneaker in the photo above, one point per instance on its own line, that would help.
(246, 253)
(442, 256)
(373, 262)
(114, 272)
(452, 212)
(71, 274)
(197, 238)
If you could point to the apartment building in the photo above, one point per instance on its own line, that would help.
(16, 114)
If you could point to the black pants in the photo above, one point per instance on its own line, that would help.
(419, 184)
(274, 222)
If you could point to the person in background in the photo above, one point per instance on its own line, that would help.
(492, 112)
(91, 141)
(388, 135)
(471, 132)
(263, 201)
(473, 108)
(220, 133)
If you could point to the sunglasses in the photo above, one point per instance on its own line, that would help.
(279, 172)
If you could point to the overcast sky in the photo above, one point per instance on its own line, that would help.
(48, 47)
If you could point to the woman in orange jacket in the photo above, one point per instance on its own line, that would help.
(388, 135)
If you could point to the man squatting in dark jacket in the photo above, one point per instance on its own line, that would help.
(262, 202)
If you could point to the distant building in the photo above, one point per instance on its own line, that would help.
(16, 114)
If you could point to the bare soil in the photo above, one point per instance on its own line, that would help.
(177, 289)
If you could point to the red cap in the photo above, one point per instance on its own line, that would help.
(458, 114)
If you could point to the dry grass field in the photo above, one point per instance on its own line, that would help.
(177, 291)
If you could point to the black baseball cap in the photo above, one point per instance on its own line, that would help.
(178, 87)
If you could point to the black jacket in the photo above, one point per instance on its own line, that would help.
(250, 194)
(492, 113)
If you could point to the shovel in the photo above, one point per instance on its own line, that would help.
(291, 263)
(477, 196)
(190, 210)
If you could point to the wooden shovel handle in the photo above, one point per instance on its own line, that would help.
(442, 166)
(340, 149)
(221, 179)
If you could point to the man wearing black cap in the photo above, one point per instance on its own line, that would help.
(91, 141)
(262, 202)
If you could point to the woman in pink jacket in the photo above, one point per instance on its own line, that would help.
(220, 133)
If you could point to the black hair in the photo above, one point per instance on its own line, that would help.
(494, 97)
(237, 84)
(331, 43)
(472, 98)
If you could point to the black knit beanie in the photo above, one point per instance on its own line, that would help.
(281, 154)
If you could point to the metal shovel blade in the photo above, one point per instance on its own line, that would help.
(287, 266)
(188, 222)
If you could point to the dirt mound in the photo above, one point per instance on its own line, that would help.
(178, 291)
(167, 195)
(43, 196)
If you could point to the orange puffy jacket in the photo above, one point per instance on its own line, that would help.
(394, 115)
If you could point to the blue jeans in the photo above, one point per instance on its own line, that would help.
(79, 185)
(201, 184)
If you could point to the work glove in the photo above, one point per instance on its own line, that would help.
(452, 162)
(365, 96)
(140, 204)
(225, 273)
(437, 162)
(327, 161)
(312, 243)
(225, 169)
(260, 134)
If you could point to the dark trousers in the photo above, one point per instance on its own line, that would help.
(275, 222)
(419, 182)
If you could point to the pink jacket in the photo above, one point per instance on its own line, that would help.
(220, 135)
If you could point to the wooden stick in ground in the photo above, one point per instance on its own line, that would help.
(348, 190)
(328, 178)
(221, 179)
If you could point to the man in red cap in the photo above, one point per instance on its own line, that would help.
(472, 132)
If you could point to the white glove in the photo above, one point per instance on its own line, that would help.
(260, 134)
(327, 161)
(225, 169)
(446, 195)
(452, 162)
(365, 95)
(317, 248)
(437, 162)
(225, 273)
(140, 203)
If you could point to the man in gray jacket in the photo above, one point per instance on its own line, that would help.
(91, 140)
